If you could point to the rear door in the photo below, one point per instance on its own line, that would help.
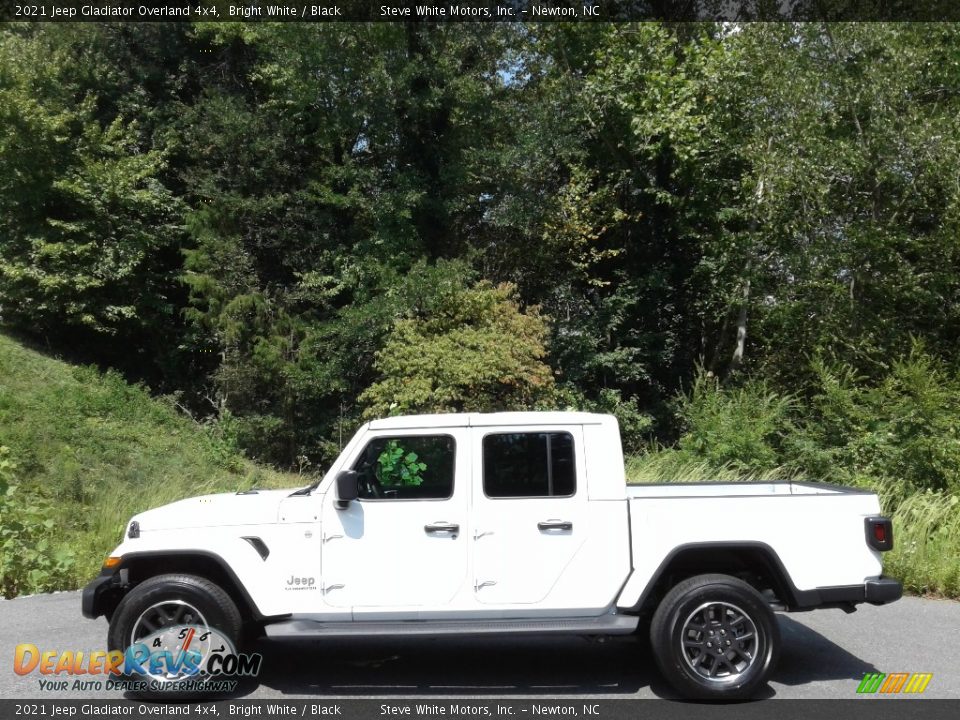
(530, 514)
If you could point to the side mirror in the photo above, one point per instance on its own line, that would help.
(347, 489)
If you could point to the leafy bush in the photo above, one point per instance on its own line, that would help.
(467, 349)
(635, 424)
(741, 428)
(902, 428)
(30, 561)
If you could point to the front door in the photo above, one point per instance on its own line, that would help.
(403, 543)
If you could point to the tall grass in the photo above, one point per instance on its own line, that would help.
(94, 450)
(662, 465)
(108, 512)
(926, 554)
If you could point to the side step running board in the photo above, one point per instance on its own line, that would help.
(304, 627)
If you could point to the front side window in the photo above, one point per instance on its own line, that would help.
(535, 464)
(412, 467)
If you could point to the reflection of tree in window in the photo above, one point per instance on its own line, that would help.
(413, 467)
(399, 468)
(528, 465)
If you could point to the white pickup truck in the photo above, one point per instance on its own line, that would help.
(504, 523)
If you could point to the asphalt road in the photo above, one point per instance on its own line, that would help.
(825, 655)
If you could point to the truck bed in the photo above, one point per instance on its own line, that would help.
(815, 530)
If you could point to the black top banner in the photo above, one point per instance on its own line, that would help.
(523, 11)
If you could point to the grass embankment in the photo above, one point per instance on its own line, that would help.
(85, 451)
(926, 554)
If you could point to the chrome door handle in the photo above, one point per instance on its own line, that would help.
(442, 527)
(554, 525)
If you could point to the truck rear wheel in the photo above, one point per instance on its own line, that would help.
(715, 638)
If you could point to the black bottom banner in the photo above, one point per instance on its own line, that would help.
(506, 709)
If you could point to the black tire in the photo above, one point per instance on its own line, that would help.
(705, 610)
(216, 607)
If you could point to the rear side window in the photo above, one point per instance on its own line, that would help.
(536, 464)
(414, 467)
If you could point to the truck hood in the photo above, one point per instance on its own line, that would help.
(250, 508)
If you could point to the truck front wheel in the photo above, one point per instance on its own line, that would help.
(159, 610)
(715, 638)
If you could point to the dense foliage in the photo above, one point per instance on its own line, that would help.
(467, 350)
(31, 558)
(741, 239)
(82, 451)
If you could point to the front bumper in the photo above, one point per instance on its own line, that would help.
(100, 595)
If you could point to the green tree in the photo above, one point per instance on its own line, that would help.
(842, 234)
(326, 166)
(472, 349)
(83, 215)
(630, 186)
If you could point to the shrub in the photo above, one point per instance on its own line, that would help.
(902, 428)
(742, 428)
(635, 425)
(29, 561)
(468, 349)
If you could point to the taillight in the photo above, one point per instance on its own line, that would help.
(879, 532)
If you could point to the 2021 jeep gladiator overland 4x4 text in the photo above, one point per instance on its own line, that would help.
(504, 523)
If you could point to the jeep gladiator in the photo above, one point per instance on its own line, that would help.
(504, 523)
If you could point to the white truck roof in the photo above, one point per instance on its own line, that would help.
(487, 419)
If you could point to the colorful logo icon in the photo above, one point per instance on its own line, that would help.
(893, 683)
(172, 658)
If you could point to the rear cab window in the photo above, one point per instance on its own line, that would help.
(529, 464)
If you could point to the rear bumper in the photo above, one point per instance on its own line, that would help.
(883, 590)
(876, 591)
